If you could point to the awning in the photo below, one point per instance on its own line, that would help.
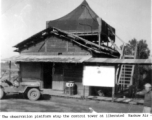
(119, 61)
(48, 58)
(76, 59)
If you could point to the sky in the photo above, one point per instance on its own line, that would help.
(21, 19)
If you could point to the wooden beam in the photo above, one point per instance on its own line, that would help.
(113, 89)
(45, 45)
(99, 28)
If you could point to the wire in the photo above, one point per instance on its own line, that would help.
(116, 35)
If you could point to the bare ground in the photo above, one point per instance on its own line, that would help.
(15, 103)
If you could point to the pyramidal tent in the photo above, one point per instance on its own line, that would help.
(83, 20)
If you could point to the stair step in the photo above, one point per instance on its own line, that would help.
(121, 79)
(129, 56)
(128, 65)
(124, 81)
(126, 76)
(126, 68)
(124, 84)
(125, 73)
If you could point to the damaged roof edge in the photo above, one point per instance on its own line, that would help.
(55, 31)
(28, 39)
(77, 59)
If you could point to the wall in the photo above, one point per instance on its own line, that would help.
(74, 72)
(36, 48)
(62, 73)
(68, 72)
(31, 72)
(55, 46)
(58, 81)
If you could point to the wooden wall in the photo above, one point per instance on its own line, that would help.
(39, 47)
(58, 77)
(69, 72)
(31, 72)
(55, 46)
(61, 74)
(74, 72)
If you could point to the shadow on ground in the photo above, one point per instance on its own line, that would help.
(21, 96)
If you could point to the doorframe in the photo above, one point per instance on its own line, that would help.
(52, 73)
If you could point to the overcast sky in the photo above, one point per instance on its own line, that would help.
(23, 18)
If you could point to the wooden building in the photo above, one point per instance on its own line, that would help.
(54, 56)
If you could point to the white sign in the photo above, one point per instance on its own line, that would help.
(69, 84)
(99, 76)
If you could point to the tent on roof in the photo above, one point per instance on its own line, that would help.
(83, 20)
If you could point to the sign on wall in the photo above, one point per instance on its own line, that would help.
(103, 76)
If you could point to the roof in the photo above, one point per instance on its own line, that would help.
(76, 59)
(90, 46)
(47, 58)
(119, 61)
(83, 20)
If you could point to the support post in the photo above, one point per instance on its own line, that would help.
(84, 91)
(9, 70)
(113, 89)
(99, 28)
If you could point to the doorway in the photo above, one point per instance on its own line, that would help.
(47, 75)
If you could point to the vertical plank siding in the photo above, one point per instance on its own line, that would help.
(56, 46)
(74, 72)
(31, 70)
(39, 47)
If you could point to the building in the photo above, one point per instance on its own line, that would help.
(56, 55)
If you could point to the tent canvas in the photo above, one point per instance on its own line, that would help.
(83, 20)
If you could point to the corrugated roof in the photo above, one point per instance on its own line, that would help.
(76, 59)
(119, 61)
(50, 58)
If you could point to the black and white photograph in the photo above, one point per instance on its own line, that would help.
(76, 56)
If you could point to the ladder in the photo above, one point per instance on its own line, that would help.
(126, 73)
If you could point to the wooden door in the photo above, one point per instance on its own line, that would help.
(58, 81)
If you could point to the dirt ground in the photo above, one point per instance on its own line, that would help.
(15, 103)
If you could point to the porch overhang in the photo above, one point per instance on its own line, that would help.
(119, 61)
(48, 58)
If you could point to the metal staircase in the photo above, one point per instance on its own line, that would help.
(126, 73)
